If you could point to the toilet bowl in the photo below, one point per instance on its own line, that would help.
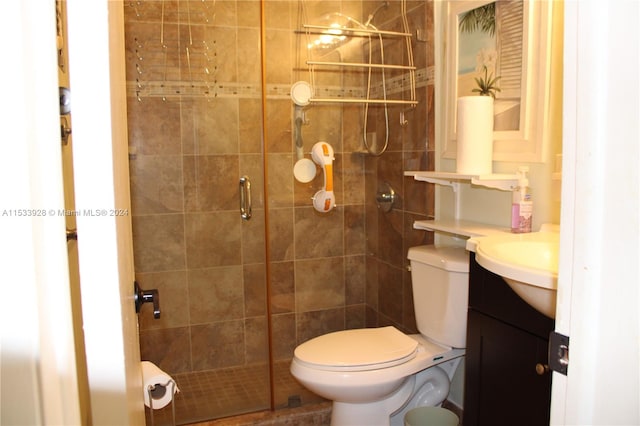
(374, 375)
(365, 392)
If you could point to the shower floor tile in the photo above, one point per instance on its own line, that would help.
(213, 394)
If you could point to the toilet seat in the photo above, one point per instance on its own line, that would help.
(357, 350)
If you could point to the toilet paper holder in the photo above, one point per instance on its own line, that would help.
(153, 391)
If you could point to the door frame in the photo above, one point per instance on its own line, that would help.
(38, 353)
(38, 378)
(101, 177)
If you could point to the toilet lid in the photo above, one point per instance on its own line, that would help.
(357, 350)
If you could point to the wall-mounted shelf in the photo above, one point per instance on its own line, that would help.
(503, 182)
(463, 228)
(456, 226)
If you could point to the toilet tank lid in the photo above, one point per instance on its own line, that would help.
(454, 259)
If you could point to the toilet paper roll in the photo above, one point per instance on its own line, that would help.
(161, 383)
(474, 130)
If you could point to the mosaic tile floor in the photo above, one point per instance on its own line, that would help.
(214, 394)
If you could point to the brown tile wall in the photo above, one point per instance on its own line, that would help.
(389, 235)
(344, 269)
(187, 153)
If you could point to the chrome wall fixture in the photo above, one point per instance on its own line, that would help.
(385, 197)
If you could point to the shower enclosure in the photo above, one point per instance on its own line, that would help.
(209, 105)
(195, 129)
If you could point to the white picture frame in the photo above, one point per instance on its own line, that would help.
(525, 143)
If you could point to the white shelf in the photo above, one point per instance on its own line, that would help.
(463, 228)
(503, 182)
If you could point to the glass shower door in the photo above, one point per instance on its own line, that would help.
(195, 129)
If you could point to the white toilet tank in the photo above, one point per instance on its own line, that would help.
(440, 281)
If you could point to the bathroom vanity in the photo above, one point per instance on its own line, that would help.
(507, 380)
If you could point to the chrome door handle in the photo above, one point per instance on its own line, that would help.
(245, 198)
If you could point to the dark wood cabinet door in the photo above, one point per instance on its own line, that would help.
(502, 385)
(506, 340)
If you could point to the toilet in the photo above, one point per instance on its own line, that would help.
(375, 375)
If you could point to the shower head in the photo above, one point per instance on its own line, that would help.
(334, 37)
(384, 5)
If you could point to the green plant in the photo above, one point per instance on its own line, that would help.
(487, 85)
(483, 18)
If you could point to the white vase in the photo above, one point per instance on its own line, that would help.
(474, 133)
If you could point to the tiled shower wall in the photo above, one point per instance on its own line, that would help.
(389, 235)
(346, 269)
(328, 272)
(194, 128)
(375, 288)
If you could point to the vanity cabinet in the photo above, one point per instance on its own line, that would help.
(507, 381)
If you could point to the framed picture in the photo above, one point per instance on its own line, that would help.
(501, 48)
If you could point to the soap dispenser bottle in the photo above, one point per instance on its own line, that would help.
(521, 204)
